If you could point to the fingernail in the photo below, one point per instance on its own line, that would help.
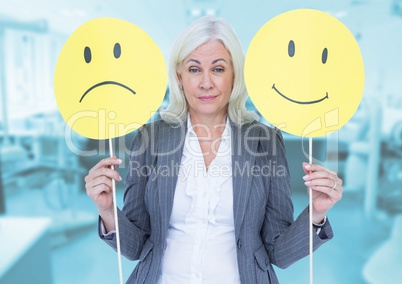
(306, 177)
(307, 182)
(119, 161)
(120, 178)
(307, 166)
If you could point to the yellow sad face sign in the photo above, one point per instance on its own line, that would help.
(110, 77)
(304, 72)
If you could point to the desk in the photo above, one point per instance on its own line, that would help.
(25, 250)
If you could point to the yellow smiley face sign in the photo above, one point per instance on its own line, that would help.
(110, 78)
(304, 72)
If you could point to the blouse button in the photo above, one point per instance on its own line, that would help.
(239, 244)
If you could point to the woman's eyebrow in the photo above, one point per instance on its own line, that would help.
(193, 60)
(213, 62)
(217, 60)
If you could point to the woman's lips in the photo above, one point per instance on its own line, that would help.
(207, 98)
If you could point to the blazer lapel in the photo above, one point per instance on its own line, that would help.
(170, 144)
(243, 157)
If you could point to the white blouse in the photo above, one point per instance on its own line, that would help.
(201, 246)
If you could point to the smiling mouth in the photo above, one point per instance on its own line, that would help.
(107, 83)
(300, 102)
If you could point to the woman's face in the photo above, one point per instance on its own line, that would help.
(207, 79)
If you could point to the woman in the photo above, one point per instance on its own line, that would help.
(208, 197)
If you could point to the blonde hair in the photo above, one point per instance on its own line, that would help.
(198, 33)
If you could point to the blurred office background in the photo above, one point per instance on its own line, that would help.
(48, 224)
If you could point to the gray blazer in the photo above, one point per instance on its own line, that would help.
(265, 230)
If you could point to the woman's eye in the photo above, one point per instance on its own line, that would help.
(219, 69)
(193, 70)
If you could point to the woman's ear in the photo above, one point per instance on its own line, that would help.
(180, 80)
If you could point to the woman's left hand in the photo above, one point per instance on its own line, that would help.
(326, 188)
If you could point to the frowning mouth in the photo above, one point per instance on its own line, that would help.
(300, 102)
(107, 83)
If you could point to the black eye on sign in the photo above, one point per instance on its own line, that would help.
(291, 48)
(324, 56)
(117, 50)
(87, 54)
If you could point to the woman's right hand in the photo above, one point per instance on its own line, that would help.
(98, 184)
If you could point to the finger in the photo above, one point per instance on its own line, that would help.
(98, 189)
(113, 161)
(332, 179)
(305, 167)
(110, 173)
(314, 168)
(335, 195)
(98, 181)
(321, 182)
(321, 173)
(334, 183)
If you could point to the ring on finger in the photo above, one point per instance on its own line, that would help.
(335, 184)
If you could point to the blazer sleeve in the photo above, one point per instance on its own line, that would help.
(134, 221)
(286, 240)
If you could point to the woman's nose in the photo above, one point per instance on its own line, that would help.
(206, 81)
